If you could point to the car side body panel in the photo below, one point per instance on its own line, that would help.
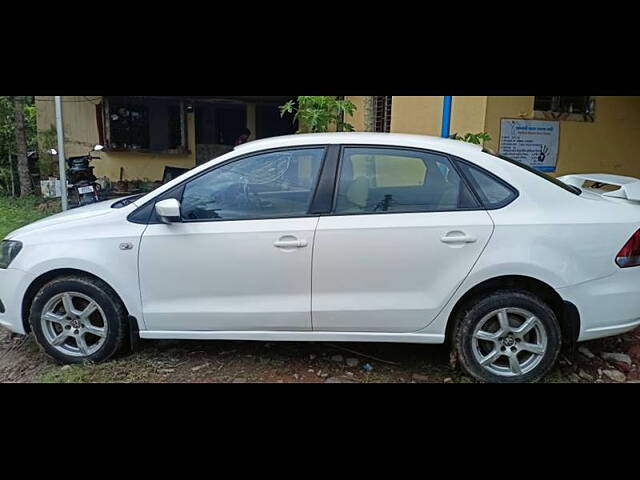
(391, 272)
(564, 240)
(104, 245)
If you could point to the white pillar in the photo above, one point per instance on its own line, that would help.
(61, 157)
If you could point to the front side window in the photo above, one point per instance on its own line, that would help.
(268, 185)
(376, 180)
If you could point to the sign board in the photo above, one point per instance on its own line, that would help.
(51, 188)
(532, 142)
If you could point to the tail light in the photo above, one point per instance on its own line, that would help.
(629, 256)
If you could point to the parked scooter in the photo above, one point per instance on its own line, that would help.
(82, 188)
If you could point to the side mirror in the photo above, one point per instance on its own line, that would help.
(97, 148)
(52, 151)
(168, 210)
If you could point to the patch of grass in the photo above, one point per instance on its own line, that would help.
(137, 367)
(72, 374)
(17, 212)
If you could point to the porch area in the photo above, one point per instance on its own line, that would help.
(146, 136)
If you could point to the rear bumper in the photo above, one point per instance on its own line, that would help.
(608, 306)
(13, 285)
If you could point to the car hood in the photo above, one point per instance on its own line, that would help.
(82, 213)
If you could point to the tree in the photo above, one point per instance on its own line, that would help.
(21, 147)
(317, 114)
(476, 138)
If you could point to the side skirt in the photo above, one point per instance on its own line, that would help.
(296, 336)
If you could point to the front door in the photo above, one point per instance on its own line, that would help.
(404, 234)
(240, 259)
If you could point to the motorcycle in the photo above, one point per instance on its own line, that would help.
(82, 188)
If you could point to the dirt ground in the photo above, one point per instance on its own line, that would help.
(21, 360)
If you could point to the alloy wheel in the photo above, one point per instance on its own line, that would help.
(74, 324)
(509, 342)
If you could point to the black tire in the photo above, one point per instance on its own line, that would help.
(107, 300)
(480, 307)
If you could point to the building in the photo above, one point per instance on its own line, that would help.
(596, 134)
(145, 134)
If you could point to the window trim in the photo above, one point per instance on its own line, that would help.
(449, 157)
(177, 192)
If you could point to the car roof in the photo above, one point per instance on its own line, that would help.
(361, 138)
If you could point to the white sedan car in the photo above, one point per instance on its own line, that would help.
(340, 237)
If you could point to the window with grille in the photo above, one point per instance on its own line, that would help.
(565, 104)
(143, 124)
(383, 114)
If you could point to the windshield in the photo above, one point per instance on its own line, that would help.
(555, 181)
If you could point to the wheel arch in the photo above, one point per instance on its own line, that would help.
(566, 313)
(46, 277)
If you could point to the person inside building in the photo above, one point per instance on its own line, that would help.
(244, 137)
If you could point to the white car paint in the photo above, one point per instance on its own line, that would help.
(227, 275)
(360, 278)
(399, 273)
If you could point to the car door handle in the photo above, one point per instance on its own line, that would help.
(458, 237)
(290, 243)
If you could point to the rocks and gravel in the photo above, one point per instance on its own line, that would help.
(585, 376)
(21, 360)
(615, 375)
(339, 380)
(352, 362)
(586, 352)
(617, 357)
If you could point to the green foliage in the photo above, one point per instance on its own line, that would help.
(47, 164)
(17, 212)
(8, 140)
(318, 114)
(476, 138)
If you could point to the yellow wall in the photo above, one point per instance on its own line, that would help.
(81, 133)
(611, 144)
(423, 115)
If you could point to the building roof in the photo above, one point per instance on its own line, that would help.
(362, 138)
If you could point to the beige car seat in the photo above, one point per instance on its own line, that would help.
(358, 192)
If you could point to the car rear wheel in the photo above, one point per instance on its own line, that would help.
(77, 319)
(510, 336)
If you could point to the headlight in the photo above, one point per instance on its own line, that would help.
(8, 251)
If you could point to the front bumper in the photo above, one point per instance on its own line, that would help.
(607, 306)
(13, 285)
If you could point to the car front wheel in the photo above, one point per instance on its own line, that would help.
(77, 319)
(510, 336)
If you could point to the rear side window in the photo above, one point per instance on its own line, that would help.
(493, 192)
(379, 180)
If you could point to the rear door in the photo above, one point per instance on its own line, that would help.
(404, 232)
